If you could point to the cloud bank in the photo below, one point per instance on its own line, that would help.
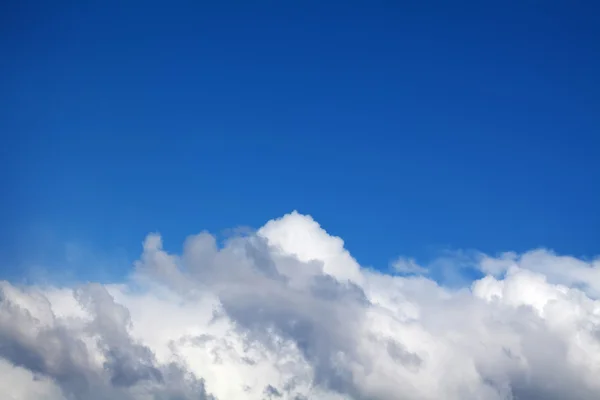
(287, 313)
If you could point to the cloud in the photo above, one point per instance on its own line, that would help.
(287, 313)
(91, 358)
(404, 265)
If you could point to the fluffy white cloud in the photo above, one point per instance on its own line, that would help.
(288, 313)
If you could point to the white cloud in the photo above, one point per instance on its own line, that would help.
(405, 265)
(288, 313)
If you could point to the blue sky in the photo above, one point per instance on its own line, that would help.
(403, 129)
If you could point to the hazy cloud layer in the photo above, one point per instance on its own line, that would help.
(287, 313)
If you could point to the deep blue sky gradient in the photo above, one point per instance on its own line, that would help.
(404, 129)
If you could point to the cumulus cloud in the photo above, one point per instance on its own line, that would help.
(287, 313)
